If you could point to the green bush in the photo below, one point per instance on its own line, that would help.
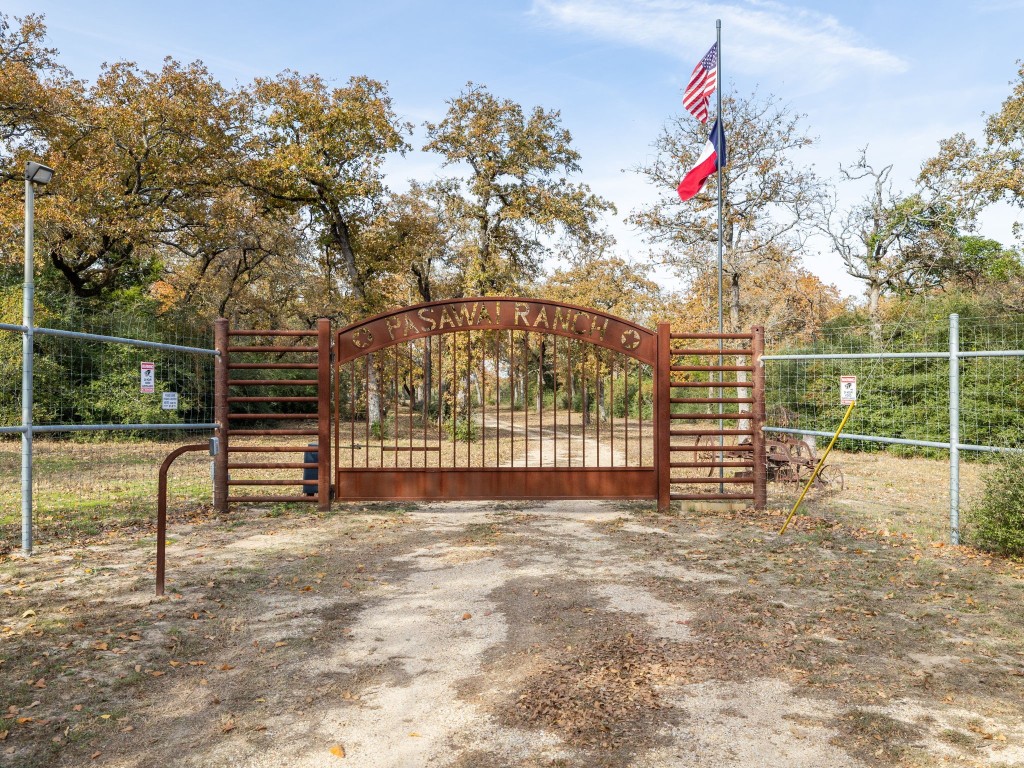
(996, 524)
(384, 428)
(462, 429)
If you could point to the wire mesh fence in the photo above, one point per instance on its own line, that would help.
(904, 397)
(87, 481)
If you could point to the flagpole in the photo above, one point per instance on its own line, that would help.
(721, 316)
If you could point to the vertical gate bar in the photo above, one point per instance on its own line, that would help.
(662, 419)
(323, 390)
(758, 419)
(483, 400)
(426, 395)
(336, 445)
(554, 397)
(352, 411)
(455, 395)
(626, 400)
(525, 362)
(366, 390)
(512, 397)
(394, 405)
(220, 415)
(469, 398)
(497, 400)
(568, 411)
(611, 409)
(412, 400)
(597, 402)
(954, 429)
(639, 439)
(440, 397)
(540, 399)
(584, 405)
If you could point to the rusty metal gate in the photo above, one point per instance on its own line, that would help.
(492, 398)
(286, 396)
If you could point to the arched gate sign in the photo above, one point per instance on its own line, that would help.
(492, 398)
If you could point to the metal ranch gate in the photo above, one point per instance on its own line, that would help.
(490, 398)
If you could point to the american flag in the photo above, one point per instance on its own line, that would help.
(702, 85)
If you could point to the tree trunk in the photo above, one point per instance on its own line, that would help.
(874, 296)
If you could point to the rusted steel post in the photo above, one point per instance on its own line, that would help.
(161, 512)
(663, 421)
(757, 420)
(323, 328)
(220, 415)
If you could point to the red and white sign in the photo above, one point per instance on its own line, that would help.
(147, 378)
(847, 389)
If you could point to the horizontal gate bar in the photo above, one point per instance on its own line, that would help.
(679, 336)
(273, 349)
(710, 432)
(684, 480)
(118, 340)
(272, 382)
(708, 464)
(710, 448)
(681, 368)
(232, 448)
(306, 416)
(272, 482)
(710, 496)
(274, 399)
(712, 384)
(709, 400)
(404, 447)
(271, 333)
(723, 416)
(725, 352)
(254, 499)
(273, 465)
(262, 432)
(275, 366)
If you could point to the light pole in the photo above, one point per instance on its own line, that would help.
(35, 173)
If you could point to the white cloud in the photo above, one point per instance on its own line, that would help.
(759, 35)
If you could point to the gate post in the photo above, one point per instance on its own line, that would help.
(662, 421)
(323, 391)
(758, 418)
(220, 415)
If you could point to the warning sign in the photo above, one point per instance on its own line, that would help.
(847, 389)
(169, 401)
(147, 378)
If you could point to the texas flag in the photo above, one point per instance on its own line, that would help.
(709, 161)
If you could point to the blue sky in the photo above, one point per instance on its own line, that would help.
(896, 76)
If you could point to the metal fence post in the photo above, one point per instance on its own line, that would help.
(757, 420)
(954, 429)
(323, 328)
(220, 415)
(662, 418)
(28, 320)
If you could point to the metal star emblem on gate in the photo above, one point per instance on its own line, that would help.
(630, 339)
(362, 338)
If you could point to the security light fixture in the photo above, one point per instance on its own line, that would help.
(38, 173)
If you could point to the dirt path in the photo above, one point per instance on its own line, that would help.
(477, 635)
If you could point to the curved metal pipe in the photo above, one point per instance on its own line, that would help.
(161, 510)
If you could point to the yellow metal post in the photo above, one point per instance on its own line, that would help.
(817, 469)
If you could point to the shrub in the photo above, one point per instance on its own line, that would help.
(996, 524)
(462, 429)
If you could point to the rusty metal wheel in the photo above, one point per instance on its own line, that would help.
(831, 477)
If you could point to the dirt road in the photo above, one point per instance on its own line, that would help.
(568, 634)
